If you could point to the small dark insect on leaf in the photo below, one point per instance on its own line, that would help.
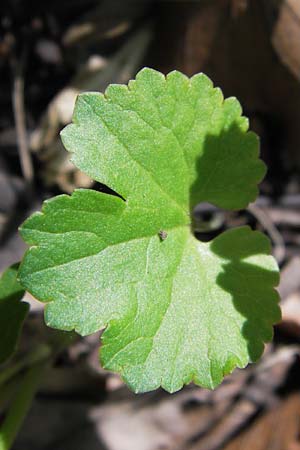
(163, 234)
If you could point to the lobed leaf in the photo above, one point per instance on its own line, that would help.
(175, 309)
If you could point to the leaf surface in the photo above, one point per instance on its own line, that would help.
(12, 312)
(175, 309)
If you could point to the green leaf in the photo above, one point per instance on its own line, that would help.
(175, 309)
(12, 312)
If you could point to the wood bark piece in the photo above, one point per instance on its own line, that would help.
(277, 430)
(286, 35)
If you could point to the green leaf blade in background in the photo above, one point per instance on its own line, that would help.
(12, 312)
(175, 309)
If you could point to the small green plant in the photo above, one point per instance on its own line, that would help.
(174, 309)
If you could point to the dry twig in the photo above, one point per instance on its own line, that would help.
(20, 122)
